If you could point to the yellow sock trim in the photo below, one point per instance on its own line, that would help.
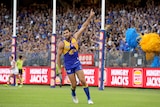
(85, 86)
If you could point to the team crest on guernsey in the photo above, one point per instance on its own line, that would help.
(73, 44)
(71, 52)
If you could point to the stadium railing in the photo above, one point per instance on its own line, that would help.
(112, 59)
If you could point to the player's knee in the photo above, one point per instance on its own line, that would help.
(83, 82)
(74, 86)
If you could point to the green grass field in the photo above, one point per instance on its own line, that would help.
(44, 96)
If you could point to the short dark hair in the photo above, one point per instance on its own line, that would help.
(66, 29)
(11, 56)
(20, 56)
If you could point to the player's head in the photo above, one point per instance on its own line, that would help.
(67, 33)
(11, 58)
(20, 56)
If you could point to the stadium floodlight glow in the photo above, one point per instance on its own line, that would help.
(102, 48)
(53, 48)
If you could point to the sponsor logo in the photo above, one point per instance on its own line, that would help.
(38, 75)
(119, 77)
(137, 77)
(153, 78)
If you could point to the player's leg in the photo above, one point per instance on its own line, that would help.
(16, 73)
(81, 77)
(60, 76)
(20, 76)
(9, 78)
(17, 78)
(20, 80)
(72, 79)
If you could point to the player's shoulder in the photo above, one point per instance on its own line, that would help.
(61, 44)
(75, 36)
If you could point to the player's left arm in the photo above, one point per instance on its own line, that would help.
(84, 26)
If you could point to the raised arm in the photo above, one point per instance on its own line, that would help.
(84, 26)
(59, 53)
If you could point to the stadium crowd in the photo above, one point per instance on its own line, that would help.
(34, 26)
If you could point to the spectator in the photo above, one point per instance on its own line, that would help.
(34, 26)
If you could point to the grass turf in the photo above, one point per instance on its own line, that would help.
(44, 96)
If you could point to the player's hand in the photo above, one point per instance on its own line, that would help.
(92, 13)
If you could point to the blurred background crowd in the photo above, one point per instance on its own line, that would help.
(34, 26)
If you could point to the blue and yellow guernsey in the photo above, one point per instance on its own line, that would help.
(70, 53)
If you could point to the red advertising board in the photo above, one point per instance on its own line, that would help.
(86, 59)
(91, 76)
(105, 77)
(119, 77)
(37, 75)
(4, 74)
(116, 77)
(151, 77)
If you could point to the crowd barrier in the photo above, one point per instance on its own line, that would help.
(113, 77)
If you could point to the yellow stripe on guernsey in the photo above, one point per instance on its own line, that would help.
(67, 46)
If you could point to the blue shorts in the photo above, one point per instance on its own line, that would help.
(73, 70)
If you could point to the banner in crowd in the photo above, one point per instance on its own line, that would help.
(86, 59)
(114, 77)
